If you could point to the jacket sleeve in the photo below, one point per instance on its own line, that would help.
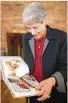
(61, 74)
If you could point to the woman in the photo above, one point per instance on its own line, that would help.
(44, 50)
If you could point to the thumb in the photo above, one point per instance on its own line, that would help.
(40, 86)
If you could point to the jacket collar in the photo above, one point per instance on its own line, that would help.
(50, 33)
(49, 36)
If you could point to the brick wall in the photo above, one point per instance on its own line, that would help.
(11, 12)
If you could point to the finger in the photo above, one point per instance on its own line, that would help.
(42, 84)
(41, 92)
(42, 98)
(39, 86)
(48, 91)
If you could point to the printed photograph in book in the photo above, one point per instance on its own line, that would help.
(14, 66)
(30, 79)
(20, 87)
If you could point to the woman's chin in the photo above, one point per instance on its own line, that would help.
(37, 37)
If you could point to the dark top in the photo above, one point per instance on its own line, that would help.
(54, 60)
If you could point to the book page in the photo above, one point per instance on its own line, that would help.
(20, 88)
(30, 79)
(14, 66)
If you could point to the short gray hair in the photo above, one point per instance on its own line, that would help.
(34, 12)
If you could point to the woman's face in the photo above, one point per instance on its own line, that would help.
(37, 29)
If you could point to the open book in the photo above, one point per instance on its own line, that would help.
(16, 76)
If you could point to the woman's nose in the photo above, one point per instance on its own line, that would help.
(33, 32)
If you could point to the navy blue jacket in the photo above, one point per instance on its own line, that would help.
(54, 58)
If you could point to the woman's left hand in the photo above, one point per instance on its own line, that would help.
(45, 88)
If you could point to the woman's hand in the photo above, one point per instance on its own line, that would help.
(45, 88)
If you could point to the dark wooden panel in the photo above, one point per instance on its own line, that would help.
(14, 44)
(6, 96)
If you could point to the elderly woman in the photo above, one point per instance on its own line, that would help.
(44, 50)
